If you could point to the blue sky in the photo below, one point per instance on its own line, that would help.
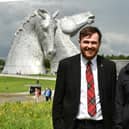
(111, 17)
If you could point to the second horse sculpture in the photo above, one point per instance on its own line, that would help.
(42, 36)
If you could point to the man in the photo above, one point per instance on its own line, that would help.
(121, 113)
(72, 106)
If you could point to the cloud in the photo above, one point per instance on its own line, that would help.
(115, 43)
(111, 17)
(117, 38)
(11, 0)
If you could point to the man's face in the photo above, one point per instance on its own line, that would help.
(89, 46)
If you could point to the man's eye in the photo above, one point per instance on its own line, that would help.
(86, 42)
(94, 42)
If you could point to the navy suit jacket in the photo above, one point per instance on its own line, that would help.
(67, 91)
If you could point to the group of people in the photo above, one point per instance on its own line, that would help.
(47, 93)
(88, 94)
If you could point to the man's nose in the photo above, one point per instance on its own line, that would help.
(89, 44)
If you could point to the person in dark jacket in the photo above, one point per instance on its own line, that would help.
(121, 111)
(76, 105)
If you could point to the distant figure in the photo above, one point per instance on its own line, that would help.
(47, 94)
(37, 81)
(37, 94)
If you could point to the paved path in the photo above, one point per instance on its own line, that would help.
(24, 96)
(13, 97)
(29, 77)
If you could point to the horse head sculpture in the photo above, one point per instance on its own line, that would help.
(66, 28)
(41, 36)
(33, 42)
(46, 33)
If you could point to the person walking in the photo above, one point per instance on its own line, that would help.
(47, 94)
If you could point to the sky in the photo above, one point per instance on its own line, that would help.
(111, 17)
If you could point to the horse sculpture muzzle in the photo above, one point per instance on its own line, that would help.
(91, 19)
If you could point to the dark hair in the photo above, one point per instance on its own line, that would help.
(88, 31)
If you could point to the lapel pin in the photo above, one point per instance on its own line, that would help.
(101, 65)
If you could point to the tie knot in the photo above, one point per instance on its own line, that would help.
(89, 62)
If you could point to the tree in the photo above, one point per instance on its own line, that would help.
(2, 63)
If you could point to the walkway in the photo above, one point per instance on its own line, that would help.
(29, 77)
(24, 96)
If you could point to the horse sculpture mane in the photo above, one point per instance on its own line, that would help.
(41, 36)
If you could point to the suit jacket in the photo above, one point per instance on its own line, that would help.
(121, 111)
(67, 91)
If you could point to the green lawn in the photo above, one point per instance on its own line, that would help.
(24, 115)
(12, 84)
(27, 115)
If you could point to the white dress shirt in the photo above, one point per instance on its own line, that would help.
(83, 112)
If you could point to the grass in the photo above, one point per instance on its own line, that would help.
(24, 115)
(43, 75)
(27, 115)
(12, 84)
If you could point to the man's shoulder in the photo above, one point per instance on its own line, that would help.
(71, 58)
(105, 60)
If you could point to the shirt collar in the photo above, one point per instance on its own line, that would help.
(84, 60)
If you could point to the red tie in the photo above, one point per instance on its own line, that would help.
(90, 91)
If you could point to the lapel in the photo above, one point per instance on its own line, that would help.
(76, 76)
(101, 77)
